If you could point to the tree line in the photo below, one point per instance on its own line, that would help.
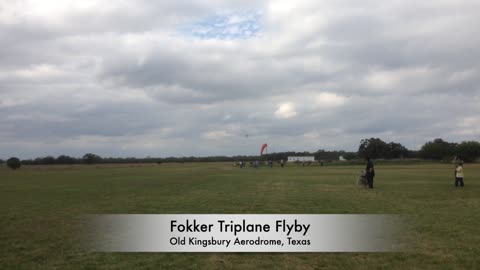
(437, 149)
(374, 148)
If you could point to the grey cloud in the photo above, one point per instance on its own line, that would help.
(126, 80)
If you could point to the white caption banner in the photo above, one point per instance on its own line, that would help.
(243, 233)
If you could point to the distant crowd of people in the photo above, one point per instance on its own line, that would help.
(269, 163)
(256, 163)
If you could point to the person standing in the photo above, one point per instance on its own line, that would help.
(281, 163)
(455, 163)
(459, 175)
(370, 172)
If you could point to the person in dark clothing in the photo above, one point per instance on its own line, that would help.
(370, 172)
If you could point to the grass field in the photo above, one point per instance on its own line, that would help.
(40, 209)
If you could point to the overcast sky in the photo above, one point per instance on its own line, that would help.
(180, 78)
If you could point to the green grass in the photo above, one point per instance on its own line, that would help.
(40, 210)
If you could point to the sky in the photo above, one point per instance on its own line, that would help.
(198, 78)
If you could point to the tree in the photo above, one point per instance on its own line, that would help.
(438, 149)
(413, 154)
(396, 150)
(1, 161)
(14, 163)
(90, 158)
(376, 148)
(373, 148)
(63, 159)
(468, 151)
(48, 160)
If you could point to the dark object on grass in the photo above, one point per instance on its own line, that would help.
(14, 163)
(362, 179)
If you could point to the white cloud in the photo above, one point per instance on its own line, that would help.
(388, 80)
(216, 134)
(36, 72)
(330, 99)
(286, 110)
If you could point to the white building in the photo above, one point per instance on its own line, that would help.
(301, 159)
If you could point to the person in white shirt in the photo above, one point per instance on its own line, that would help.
(459, 175)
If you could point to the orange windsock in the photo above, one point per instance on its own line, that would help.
(264, 146)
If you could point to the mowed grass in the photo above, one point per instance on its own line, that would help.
(41, 209)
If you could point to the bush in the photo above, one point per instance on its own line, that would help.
(14, 163)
